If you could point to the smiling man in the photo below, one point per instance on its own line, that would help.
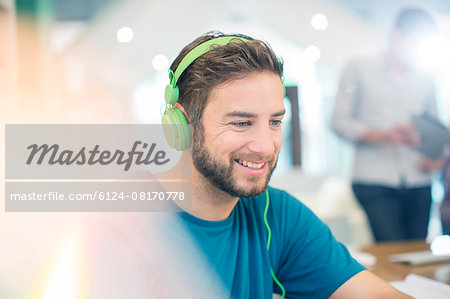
(257, 239)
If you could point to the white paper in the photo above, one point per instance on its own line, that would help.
(422, 288)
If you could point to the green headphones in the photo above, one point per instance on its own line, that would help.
(174, 122)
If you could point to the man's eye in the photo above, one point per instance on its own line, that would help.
(242, 124)
(276, 123)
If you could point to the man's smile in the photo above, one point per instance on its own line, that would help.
(254, 169)
(249, 164)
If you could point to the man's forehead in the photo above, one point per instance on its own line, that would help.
(267, 82)
(262, 98)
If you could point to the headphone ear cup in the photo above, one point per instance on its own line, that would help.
(176, 129)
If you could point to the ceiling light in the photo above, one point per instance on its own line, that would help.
(125, 34)
(312, 53)
(319, 21)
(160, 62)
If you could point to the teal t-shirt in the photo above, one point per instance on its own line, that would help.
(303, 254)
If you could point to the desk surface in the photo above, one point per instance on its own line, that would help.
(396, 271)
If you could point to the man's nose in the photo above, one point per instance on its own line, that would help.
(263, 141)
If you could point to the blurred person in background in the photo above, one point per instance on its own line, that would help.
(377, 98)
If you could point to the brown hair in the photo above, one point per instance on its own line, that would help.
(221, 64)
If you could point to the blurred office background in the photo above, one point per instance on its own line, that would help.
(106, 61)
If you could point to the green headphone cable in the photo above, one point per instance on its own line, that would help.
(269, 236)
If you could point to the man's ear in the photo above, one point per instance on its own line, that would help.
(178, 105)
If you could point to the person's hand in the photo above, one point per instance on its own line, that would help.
(429, 165)
(404, 134)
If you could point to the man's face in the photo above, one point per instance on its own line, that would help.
(238, 148)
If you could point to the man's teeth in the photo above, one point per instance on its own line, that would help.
(250, 164)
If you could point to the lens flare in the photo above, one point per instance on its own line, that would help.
(64, 280)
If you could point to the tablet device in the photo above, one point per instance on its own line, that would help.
(433, 135)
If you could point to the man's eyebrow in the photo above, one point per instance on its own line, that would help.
(281, 113)
(241, 114)
(251, 115)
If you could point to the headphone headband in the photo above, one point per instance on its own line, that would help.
(199, 51)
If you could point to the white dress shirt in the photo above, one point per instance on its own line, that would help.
(372, 96)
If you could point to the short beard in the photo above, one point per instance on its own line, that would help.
(220, 175)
